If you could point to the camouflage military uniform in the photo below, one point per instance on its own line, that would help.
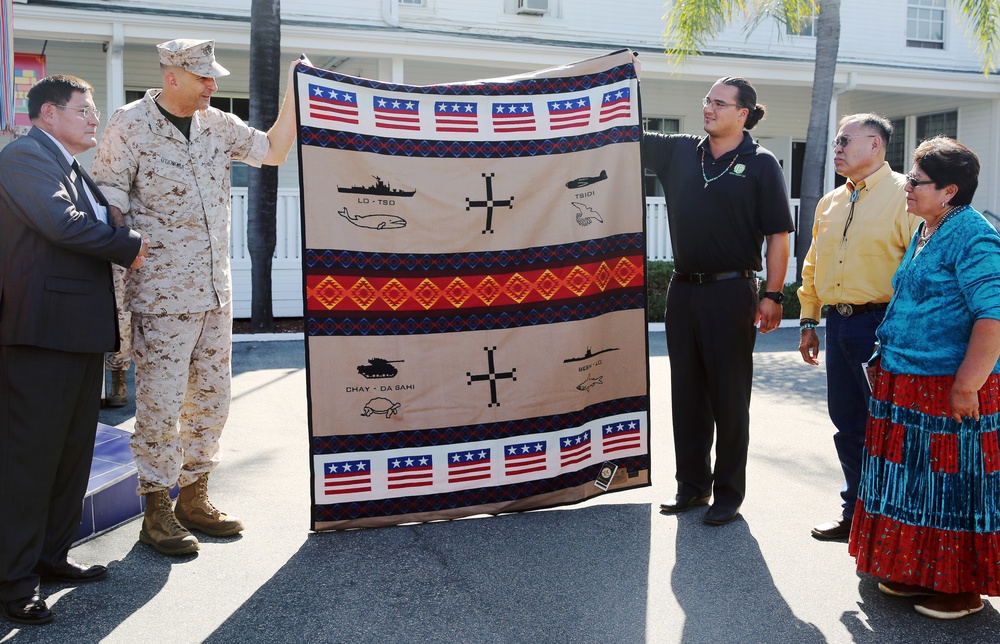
(121, 359)
(178, 192)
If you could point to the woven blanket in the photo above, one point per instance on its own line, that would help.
(474, 260)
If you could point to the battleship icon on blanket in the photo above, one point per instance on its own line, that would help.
(379, 189)
(374, 221)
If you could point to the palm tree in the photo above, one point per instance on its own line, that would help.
(262, 191)
(817, 134)
(691, 22)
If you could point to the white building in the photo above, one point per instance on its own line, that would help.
(909, 60)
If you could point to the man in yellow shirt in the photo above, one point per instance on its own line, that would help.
(860, 234)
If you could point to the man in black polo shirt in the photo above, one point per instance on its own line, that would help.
(725, 196)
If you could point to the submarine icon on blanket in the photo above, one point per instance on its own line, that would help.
(375, 222)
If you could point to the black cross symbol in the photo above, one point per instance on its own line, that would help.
(489, 203)
(492, 376)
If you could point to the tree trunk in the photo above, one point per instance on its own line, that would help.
(818, 135)
(262, 192)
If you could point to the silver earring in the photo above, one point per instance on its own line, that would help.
(944, 203)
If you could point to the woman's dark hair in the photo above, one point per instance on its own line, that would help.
(56, 89)
(746, 96)
(946, 161)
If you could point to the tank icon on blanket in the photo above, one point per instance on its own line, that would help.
(379, 368)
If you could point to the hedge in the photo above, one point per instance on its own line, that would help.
(658, 278)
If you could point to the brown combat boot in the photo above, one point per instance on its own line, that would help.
(196, 512)
(119, 391)
(161, 530)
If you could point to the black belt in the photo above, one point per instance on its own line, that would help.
(704, 278)
(847, 310)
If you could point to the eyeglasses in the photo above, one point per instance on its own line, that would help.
(842, 141)
(914, 182)
(86, 111)
(705, 102)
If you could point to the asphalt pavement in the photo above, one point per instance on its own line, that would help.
(609, 570)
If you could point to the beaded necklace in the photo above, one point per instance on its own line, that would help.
(927, 233)
(705, 177)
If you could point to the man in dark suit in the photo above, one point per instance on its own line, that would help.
(57, 318)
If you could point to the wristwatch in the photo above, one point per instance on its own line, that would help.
(777, 296)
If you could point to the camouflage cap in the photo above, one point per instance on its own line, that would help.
(196, 56)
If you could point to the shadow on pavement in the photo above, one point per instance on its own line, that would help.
(723, 585)
(284, 354)
(796, 382)
(90, 612)
(880, 618)
(562, 575)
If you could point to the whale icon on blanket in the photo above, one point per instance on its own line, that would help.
(375, 222)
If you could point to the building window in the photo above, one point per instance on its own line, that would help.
(549, 8)
(238, 106)
(933, 124)
(798, 162)
(241, 108)
(667, 126)
(413, 3)
(925, 24)
(804, 27)
(895, 152)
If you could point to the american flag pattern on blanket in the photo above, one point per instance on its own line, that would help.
(396, 114)
(329, 104)
(524, 458)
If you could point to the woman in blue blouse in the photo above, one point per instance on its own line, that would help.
(928, 515)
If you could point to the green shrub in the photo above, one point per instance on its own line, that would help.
(790, 308)
(658, 279)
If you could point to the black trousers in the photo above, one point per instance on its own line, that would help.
(49, 404)
(710, 339)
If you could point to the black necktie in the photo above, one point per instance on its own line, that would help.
(83, 178)
(78, 180)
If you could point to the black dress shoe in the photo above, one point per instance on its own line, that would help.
(72, 572)
(839, 529)
(683, 503)
(30, 610)
(720, 514)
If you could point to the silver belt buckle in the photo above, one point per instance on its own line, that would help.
(845, 309)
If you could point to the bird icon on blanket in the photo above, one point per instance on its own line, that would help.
(585, 215)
